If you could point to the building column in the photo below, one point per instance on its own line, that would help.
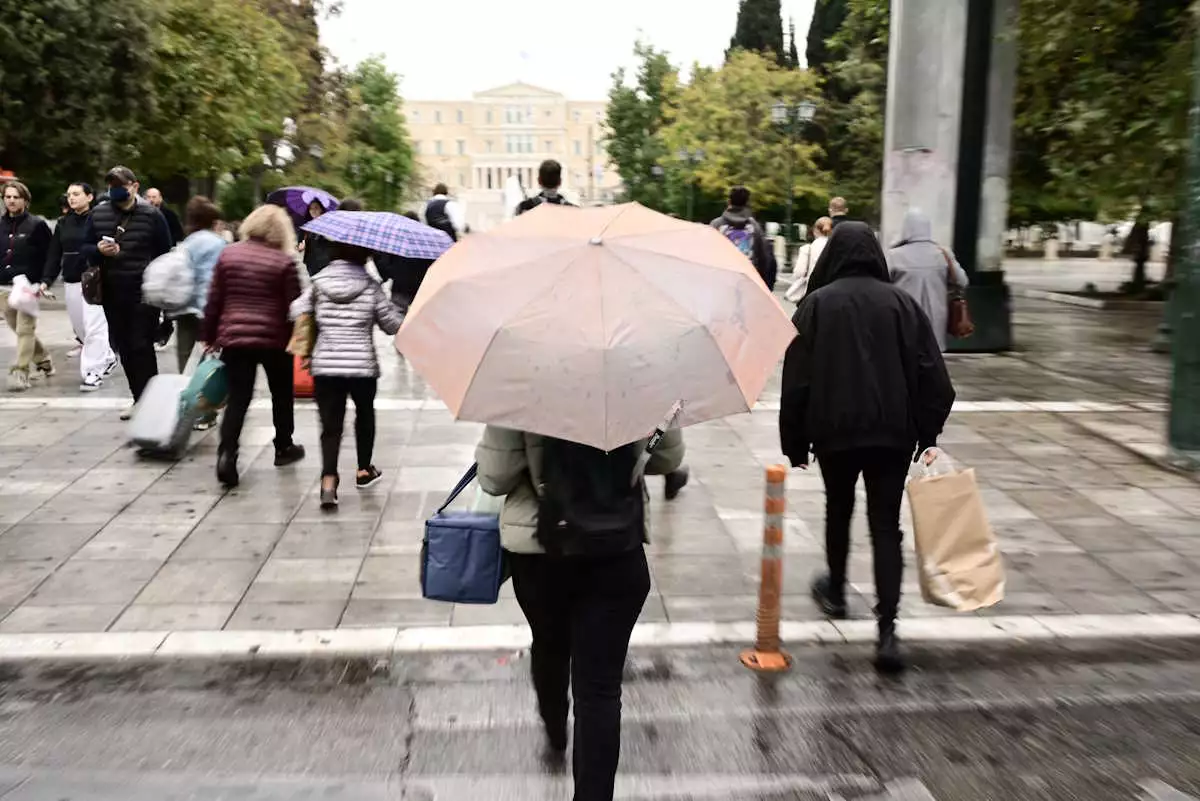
(949, 141)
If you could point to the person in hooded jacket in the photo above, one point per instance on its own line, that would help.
(346, 304)
(738, 225)
(864, 387)
(927, 271)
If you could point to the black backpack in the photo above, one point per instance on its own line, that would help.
(436, 217)
(591, 505)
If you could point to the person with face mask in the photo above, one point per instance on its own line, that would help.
(123, 236)
(96, 357)
(24, 239)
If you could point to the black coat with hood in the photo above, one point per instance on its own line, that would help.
(865, 370)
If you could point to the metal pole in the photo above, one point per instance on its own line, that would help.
(767, 654)
(787, 231)
(1184, 425)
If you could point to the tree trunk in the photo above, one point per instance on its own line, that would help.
(1139, 239)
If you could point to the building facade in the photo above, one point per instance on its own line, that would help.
(474, 146)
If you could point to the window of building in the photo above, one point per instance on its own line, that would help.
(462, 180)
(489, 142)
(549, 145)
(578, 148)
(578, 116)
(437, 147)
(459, 116)
(489, 116)
(437, 118)
(416, 116)
(508, 144)
(417, 147)
(462, 147)
(489, 177)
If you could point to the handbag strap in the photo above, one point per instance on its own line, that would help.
(463, 483)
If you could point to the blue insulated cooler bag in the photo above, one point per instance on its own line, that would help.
(461, 559)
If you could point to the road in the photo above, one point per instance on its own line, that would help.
(1051, 722)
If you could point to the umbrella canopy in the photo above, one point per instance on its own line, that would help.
(590, 324)
(383, 232)
(296, 199)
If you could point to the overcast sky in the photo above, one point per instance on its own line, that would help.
(453, 48)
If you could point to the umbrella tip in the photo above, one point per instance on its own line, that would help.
(595, 240)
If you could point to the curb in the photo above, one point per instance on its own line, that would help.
(1155, 454)
(1095, 304)
(389, 643)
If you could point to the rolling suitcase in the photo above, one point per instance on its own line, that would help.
(162, 421)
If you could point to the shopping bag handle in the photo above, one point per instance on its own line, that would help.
(463, 483)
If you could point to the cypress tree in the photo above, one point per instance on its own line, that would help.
(759, 29)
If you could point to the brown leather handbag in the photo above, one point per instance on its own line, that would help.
(958, 322)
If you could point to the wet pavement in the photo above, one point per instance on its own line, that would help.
(94, 538)
(1037, 724)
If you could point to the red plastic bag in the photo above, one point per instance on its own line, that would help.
(302, 380)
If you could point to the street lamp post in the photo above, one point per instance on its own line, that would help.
(792, 118)
(691, 158)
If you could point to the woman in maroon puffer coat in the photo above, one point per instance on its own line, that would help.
(246, 318)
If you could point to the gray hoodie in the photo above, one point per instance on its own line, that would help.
(349, 304)
(919, 267)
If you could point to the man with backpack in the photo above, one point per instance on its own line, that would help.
(738, 225)
(573, 527)
(549, 179)
(444, 213)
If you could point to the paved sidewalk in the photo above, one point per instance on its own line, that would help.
(93, 539)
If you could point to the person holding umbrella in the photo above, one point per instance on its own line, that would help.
(591, 334)
(345, 304)
(303, 204)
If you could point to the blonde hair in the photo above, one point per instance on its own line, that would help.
(269, 224)
(823, 226)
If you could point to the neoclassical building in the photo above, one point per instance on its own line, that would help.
(473, 146)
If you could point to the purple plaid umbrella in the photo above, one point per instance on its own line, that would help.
(382, 232)
(296, 200)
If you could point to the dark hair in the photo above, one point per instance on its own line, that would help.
(120, 175)
(351, 204)
(201, 214)
(22, 191)
(739, 196)
(412, 215)
(441, 189)
(351, 253)
(550, 174)
(62, 202)
(84, 185)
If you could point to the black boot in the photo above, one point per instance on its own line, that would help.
(227, 472)
(289, 454)
(832, 603)
(675, 482)
(888, 658)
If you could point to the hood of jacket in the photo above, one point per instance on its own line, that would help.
(853, 250)
(916, 228)
(342, 281)
(737, 216)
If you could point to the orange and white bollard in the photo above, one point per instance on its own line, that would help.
(767, 655)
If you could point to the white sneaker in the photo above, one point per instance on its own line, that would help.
(18, 381)
(74, 352)
(127, 412)
(91, 383)
(108, 368)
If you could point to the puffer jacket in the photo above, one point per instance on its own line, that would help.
(252, 286)
(510, 464)
(347, 304)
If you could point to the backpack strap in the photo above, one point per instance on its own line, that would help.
(463, 483)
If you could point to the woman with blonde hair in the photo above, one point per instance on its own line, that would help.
(246, 318)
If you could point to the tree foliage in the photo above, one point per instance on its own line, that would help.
(759, 30)
(726, 113)
(827, 19)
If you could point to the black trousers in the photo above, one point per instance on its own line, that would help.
(884, 472)
(331, 393)
(241, 369)
(582, 613)
(131, 329)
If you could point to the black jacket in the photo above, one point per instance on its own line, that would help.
(406, 274)
(66, 250)
(23, 243)
(143, 239)
(531, 203)
(316, 253)
(173, 224)
(865, 370)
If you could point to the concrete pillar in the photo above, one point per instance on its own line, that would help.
(997, 154)
(924, 113)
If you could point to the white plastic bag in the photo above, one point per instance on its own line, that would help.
(23, 298)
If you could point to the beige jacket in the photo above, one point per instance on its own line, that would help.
(510, 464)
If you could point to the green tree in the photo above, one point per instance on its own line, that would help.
(727, 114)
(827, 19)
(759, 30)
(378, 159)
(633, 128)
(72, 75)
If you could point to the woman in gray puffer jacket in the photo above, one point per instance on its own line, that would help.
(347, 304)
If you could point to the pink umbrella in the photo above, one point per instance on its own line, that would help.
(590, 324)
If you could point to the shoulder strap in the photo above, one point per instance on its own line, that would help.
(949, 263)
(463, 483)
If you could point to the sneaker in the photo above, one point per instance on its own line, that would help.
(91, 383)
(675, 482)
(44, 369)
(366, 478)
(205, 424)
(74, 352)
(832, 605)
(127, 412)
(18, 381)
(108, 368)
(289, 455)
(329, 499)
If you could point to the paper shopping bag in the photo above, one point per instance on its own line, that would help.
(957, 556)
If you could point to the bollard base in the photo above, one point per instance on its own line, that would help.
(766, 661)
